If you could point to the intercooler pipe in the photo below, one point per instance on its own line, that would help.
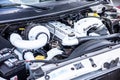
(39, 38)
(74, 41)
(108, 37)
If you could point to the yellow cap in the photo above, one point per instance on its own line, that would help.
(93, 14)
(21, 29)
(39, 57)
(96, 15)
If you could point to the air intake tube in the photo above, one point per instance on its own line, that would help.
(38, 37)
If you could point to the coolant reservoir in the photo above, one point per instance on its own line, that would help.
(115, 2)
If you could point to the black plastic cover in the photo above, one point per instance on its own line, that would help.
(4, 43)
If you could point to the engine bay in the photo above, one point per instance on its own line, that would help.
(42, 50)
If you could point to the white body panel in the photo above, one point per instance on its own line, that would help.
(66, 72)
